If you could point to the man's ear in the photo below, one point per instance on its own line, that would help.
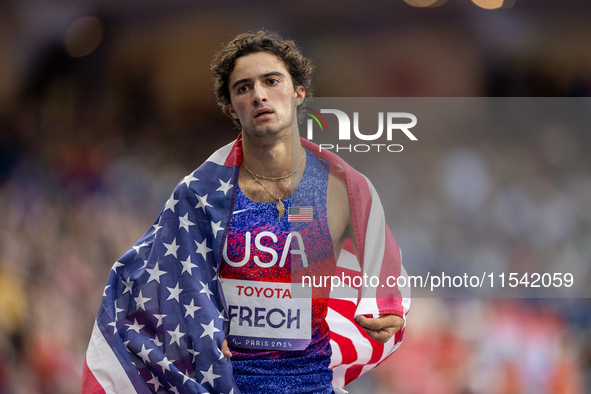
(300, 94)
(232, 111)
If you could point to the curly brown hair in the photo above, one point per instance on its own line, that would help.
(299, 67)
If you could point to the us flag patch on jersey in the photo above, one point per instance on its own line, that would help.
(300, 214)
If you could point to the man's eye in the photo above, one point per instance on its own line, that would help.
(242, 89)
(273, 81)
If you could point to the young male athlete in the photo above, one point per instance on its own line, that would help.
(234, 227)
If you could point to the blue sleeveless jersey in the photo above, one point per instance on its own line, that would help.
(255, 258)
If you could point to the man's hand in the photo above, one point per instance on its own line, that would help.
(226, 350)
(382, 328)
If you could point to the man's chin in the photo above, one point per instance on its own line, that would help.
(262, 131)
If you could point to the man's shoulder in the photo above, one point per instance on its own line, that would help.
(213, 179)
(339, 167)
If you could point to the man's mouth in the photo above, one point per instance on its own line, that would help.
(262, 112)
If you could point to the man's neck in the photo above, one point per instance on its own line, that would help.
(272, 157)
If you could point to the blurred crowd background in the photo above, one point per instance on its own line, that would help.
(105, 106)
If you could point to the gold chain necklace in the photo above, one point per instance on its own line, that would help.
(274, 178)
(280, 205)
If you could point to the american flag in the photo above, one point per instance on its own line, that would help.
(300, 214)
(162, 319)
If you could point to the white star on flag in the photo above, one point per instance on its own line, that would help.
(188, 266)
(209, 376)
(202, 202)
(117, 310)
(116, 265)
(188, 179)
(174, 292)
(176, 335)
(159, 317)
(155, 382)
(144, 354)
(140, 301)
(225, 186)
(184, 222)
(171, 248)
(206, 290)
(155, 273)
(215, 227)
(156, 228)
(114, 327)
(194, 353)
(191, 308)
(203, 249)
(156, 341)
(165, 364)
(105, 290)
(128, 285)
(135, 326)
(221, 315)
(208, 329)
(186, 377)
(171, 203)
(138, 247)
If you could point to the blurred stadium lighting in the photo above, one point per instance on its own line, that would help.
(83, 36)
(488, 4)
(425, 3)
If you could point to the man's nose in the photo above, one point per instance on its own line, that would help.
(259, 93)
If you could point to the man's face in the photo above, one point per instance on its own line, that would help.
(261, 92)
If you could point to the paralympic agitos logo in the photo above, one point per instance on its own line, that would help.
(395, 122)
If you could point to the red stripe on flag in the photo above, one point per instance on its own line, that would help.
(89, 383)
(348, 350)
(235, 156)
(353, 372)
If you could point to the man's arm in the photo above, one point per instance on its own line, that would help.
(341, 226)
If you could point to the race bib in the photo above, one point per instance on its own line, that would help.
(263, 315)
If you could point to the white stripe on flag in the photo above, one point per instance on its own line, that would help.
(105, 366)
(348, 260)
(373, 256)
(220, 155)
